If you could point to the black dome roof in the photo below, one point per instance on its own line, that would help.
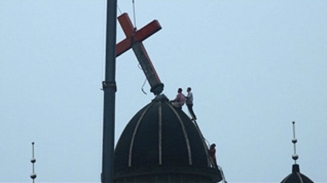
(161, 138)
(296, 176)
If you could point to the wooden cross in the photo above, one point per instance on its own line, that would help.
(134, 40)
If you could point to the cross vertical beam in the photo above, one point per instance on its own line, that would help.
(134, 40)
(109, 88)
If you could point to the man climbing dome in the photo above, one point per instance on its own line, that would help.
(212, 153)
(189, 102)
(179, 101)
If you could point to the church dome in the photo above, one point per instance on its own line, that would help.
(296, 176)
(162, 141)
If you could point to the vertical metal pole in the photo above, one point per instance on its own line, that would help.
(109, 88)
(33, 160)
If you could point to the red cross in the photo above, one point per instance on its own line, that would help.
(134, 40)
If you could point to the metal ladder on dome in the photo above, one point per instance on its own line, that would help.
(204, 140)
(222, 174)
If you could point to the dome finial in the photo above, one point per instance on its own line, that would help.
(296, 176)
(294, 141)
(33, 160)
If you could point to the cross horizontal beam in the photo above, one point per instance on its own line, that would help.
(133, 36)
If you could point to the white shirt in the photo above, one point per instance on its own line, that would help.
(189, 98)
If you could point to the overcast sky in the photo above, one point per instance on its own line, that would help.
(254, 66)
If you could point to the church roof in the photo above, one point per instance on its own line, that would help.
(296, 176)
(161, 138)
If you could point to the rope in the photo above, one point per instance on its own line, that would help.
(143, 87)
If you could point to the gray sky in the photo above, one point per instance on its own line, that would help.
(254, 66)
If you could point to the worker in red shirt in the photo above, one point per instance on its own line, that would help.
(212, 153)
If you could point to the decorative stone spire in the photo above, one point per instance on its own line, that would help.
(33, 160)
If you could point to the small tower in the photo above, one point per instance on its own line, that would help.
(33, 160)
(296, 176)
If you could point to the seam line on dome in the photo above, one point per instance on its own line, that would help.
(300, 178)
(185, 135)
(133, 136)
(160, 133)
(203, 142)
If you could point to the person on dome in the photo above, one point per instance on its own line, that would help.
(179, 101)
(189, 103)
(212, 153)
